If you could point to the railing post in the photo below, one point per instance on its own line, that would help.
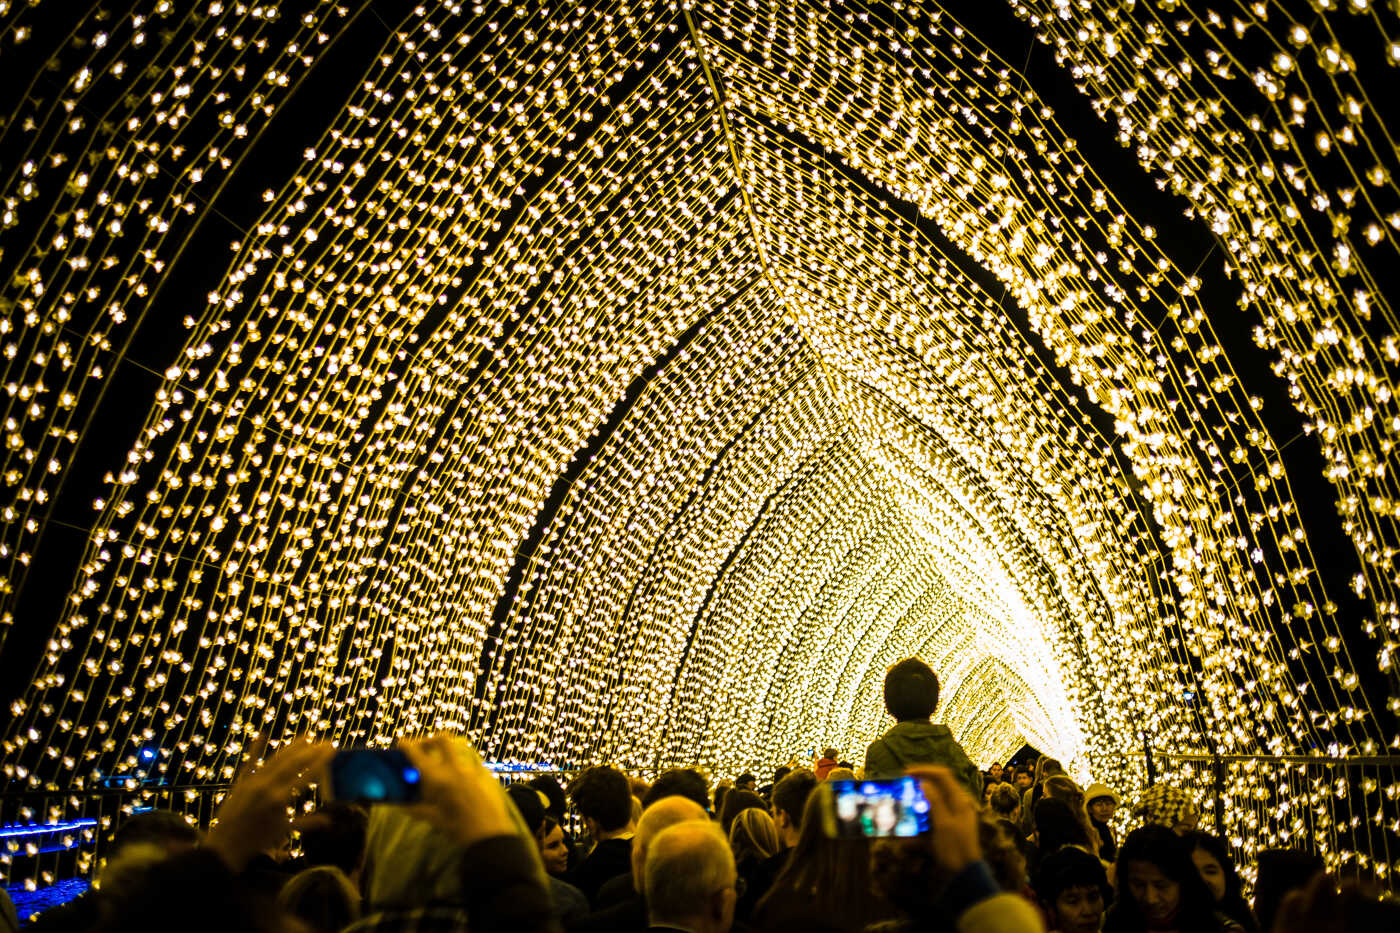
(1218, 765)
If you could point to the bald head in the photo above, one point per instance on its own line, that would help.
(666, 812)
(689, 879)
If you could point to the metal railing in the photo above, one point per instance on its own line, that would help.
(1341, 806)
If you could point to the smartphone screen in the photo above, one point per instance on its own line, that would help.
(872, 809)
(374, 775)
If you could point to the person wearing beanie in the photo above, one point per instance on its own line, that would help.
(1165, 805)
(1100, 801)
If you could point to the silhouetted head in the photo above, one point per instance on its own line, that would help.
(323, 898)
(911, 690)
(603, 797)
(679, 782)
(168, 830)
(335, 835)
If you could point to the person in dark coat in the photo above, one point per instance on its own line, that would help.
(625, 908)
(602, 796)
(789, 803)
(570, 906)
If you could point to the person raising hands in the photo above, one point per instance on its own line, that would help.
(253, 817)
(496, 882)
(972, 896)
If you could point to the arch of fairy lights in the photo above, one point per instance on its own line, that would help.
(609, 384)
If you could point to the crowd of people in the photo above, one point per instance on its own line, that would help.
(1015, 848)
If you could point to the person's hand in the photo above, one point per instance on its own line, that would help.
(952, 818)
(459, 795)
(253, 817)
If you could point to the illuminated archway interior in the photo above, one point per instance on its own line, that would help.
(635, 383)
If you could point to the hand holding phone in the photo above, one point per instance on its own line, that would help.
(460, 796)
(374, 775)
(876, 809)
(953, 817)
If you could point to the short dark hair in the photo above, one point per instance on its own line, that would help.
(1069, 868)
(746, 778)
(791, 793)
(679, 782)
(781, 773)
(1281, 871)
(738, 800)
(830, 752)
(603, 794)
(161, 827)
(335, 835)
(911, 690)
(548, 785)
(528, 805)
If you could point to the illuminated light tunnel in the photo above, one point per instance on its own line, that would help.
(635, 383)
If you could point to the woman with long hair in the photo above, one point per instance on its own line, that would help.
(1062, 788)
(1044, 768)
(1160, 890)
(1217, 868)
(722, 790)
(753, 837)
(1057, 825)
(825, 883)
(735, 802)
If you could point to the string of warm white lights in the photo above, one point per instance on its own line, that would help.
(619, 385)
(1294, 167)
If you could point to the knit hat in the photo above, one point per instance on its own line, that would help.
(1162, 804)
(1095, 791)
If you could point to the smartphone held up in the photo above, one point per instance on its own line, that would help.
(374, 775)
(875, 809)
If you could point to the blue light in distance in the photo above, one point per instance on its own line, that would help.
(19, 830)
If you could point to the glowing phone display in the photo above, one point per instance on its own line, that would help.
(872, 809)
